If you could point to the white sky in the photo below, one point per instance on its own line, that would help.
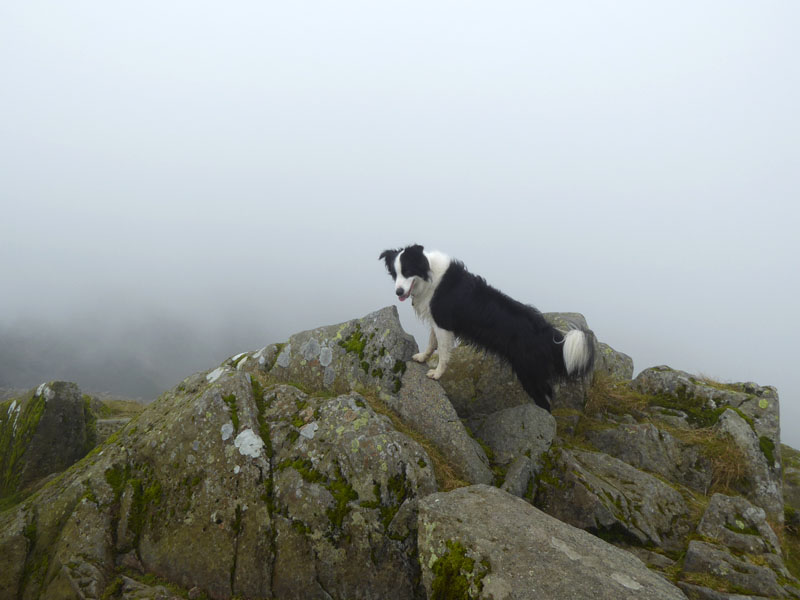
(240, 166)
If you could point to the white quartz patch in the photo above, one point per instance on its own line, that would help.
(626, 581)
(44, 390)
(308, 431)
(249, 443)
(11, 408)
(215, 374)
(565, 548)
(226, 431)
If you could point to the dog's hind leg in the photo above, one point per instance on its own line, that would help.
(445, 340)
(422, 357)
(540, 391)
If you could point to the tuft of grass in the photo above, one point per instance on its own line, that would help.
(608, 395)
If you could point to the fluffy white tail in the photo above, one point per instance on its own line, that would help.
(578, 352)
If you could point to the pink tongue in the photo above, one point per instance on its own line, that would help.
(403, 298)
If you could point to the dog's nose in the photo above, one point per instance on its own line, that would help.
(399, 291)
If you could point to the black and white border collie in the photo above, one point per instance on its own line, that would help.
(461, 305)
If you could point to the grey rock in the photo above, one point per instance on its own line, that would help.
(43, 432)
(423, 405)
(518, 552)
(764, 486)
(612, 499)
(702, 557)
(479, 383)
(524, 429)
(697, 592)
(613, 363)
(649, 448)
(735, 523)
(740, 548)
(202, 511)
(758, 403)
(520, 479)
(370, 352)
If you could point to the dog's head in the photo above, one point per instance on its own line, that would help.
(407, 266)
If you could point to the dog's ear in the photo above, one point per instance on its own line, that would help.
(388, 256)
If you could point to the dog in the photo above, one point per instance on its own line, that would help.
(461, 305)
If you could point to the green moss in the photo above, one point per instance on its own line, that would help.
(377, 373)
(768, 448)
(16, 432)
(261, 407)
(550, 474)
(301, 527)
(230, 400)
(90, 418)
(421, 462)
(696, 409)
(305, 468)
(355, 342)
(455, 574)
(740, 526)
(297, 421)
(117, 477)
(113, 590)
(399, 367)
(89, 493)
(343, 494)
(146, 493)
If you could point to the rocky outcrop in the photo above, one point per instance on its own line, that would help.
(747, 412)
(324, 467)
(479, 542)
(372, 354)
(235, 488)
(612, 499)
(646, 447)
(42, 433)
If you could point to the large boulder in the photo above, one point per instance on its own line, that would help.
(612, 499)
(649, 448)
(747, 412)
(480, 542)
(423, 405)
(372, 354)
(42, 433)
(235, 486)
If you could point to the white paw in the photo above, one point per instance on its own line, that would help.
(420, 358)
(434, 374)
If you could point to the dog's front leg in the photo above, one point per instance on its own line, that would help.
(446, 340)
(422, 357)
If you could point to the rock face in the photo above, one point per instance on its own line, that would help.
(739, 548)
(43, 433)
(610, 498)
(747, 412)
(373, 354)
(646, 447)
(237, 489)
(488, 544)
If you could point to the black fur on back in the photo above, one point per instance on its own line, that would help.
(483, 316)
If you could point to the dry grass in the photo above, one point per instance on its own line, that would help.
(609, 395)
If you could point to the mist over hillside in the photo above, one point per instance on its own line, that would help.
(137, 359)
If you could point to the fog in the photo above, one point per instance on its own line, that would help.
(183, 181)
